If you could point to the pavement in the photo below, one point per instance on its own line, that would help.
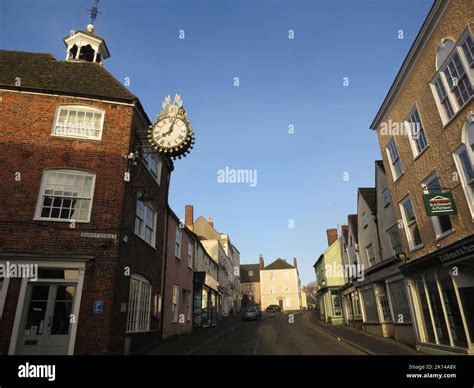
(279, 334)
(364, 342)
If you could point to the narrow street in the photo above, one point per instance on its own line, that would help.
(272, 335)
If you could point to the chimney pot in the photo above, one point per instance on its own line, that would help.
(295, 264)
(262, 264)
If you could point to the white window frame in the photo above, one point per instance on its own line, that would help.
(371, 246)
(147, 207)
(178, 243)
(468, 186)
(143, 304)
(154, 165)
(41, 194)
(440, 73)
(392, 163)
(175, 302)
(435, 219)
(189, 304)
(408, 233)
(250, 273)
(414, 142)
(82, 108)
(190, 255)
(3, 294)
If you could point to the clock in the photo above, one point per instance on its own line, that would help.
(172, 134)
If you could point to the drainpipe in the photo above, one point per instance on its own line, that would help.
(165, 256)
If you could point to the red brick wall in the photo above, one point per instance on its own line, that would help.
(27, 147)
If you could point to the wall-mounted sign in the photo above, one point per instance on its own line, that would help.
(111, 236)
(439, 204)
(98, 306)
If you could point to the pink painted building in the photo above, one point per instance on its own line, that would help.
(178, 279)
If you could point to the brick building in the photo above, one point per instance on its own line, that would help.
(432, 101)
(84, 202)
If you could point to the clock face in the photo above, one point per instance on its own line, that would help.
(172, 135)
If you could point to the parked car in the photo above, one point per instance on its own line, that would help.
(273, 308)
(250, 314)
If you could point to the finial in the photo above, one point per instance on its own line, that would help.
(94, 12)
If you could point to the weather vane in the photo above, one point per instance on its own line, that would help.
(94, 11)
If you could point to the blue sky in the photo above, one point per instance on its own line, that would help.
(283, 82)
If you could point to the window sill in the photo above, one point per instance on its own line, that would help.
(93, 139)
(398, 177)
(445, 234)
(61, 220)
(445, 125)
(417, 248)
(420, 153)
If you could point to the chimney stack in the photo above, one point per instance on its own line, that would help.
(210, 221)
(189, 216)
(295, 264)
(262, 264)
(332, 236)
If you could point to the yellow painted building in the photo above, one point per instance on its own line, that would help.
(280, 285)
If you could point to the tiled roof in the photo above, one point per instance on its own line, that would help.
(246, 277)
(370, 197)
(279, 264)
(41, 72)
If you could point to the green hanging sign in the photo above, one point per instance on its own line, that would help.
(439, 204)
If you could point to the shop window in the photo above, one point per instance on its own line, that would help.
(464, 281)
(336, 303)
(399, 299)
(452, 308)
(370, 306)
(426, 319)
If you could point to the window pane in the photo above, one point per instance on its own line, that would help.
(399, 298)
(452, 308)
(370, 306)
(437, 309)
(425, 310)
(465, 283)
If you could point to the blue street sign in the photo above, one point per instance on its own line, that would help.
(98, 306)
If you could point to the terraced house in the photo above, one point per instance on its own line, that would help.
(430, 174)
(83, 200)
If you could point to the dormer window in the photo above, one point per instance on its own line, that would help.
(83, 122)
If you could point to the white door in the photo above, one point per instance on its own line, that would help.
(46, 319)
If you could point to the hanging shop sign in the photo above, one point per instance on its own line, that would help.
(439, 204)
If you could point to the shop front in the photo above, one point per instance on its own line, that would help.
(47, 313)
(441, 286)
(206, 300)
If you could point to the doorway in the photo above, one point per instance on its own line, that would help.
(45, 325)
(280, 303)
